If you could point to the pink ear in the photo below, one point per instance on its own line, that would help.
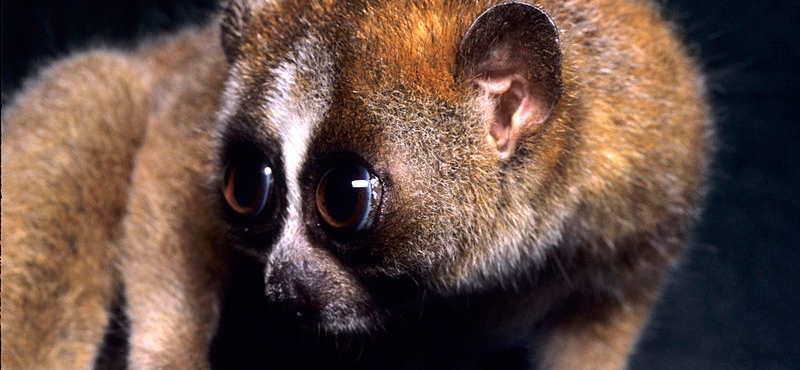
(511, 54)
(516, 107)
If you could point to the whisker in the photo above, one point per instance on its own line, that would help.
(260, 257)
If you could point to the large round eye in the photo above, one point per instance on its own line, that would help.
(247, 186)
(348, 196)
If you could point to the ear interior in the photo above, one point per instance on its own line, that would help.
(511, 53)
(516, 104)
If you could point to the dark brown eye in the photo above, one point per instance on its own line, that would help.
(247, 186)
(348, 196)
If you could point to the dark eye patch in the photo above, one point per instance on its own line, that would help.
(347, 197)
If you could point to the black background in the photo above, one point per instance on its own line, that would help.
(734, 301)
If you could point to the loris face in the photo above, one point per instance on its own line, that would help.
(383, 145)
(361, 152)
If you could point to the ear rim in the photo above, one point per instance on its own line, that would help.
(464, 47)
(235, 14)
(535, 58)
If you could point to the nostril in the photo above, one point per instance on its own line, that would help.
(300, 305)
(291, 300)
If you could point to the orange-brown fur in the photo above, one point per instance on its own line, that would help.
(107, 159)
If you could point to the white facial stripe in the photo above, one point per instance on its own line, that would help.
(296, 110)
(294, 119)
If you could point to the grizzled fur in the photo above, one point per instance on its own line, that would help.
(557, 232)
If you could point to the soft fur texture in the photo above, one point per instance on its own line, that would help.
(557, 231)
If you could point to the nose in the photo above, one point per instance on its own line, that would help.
(289, 297)
(308, 286)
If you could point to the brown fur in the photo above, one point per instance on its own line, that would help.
(64, 193)
(170, 264)
(107, 159)
(75, 188)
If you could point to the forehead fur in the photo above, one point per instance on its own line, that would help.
(415, 42)
(410, 41)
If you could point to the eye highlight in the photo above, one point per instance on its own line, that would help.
(248, 185)
(348, 197)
